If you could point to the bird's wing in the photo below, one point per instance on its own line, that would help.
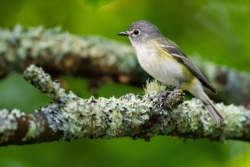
(173, 49)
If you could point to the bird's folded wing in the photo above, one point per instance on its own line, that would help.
(172, 49)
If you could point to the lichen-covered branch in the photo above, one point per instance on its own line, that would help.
(70, 117)
(64, 53)
(95, 57)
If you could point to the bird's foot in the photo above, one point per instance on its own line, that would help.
(162, 95)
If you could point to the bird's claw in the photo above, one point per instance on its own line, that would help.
(162, 95)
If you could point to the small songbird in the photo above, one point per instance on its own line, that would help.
(164, 60)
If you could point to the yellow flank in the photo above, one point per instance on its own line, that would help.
(189, 76)
(163, 55)
(161, 52)
(189, 84)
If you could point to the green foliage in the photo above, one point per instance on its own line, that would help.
(17, 93)
(97, 3)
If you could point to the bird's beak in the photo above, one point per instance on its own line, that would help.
(125, 33)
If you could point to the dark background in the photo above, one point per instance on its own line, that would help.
(215, 30)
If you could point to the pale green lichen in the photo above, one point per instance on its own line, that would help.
(36, 127)
(193, 117)
(7, 120)
(8, 123)
(44, 83)
(53, 44)
(57, 122)
(32, 131)
(104, 116)
(233, 119)
(153, 87)
(17, 113)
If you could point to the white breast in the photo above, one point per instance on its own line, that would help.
(161, 67)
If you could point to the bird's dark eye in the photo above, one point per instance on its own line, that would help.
(136, 32)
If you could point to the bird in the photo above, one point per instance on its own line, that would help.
(164, 60)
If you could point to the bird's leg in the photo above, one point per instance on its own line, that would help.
(167, 92)
(161, 95)
(178, 86)
(171, 91)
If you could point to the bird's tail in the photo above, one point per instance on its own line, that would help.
(211, 108)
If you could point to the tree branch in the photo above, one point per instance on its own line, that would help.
(70, 117)
(63, 53)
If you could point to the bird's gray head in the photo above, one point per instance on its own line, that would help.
(141, 32)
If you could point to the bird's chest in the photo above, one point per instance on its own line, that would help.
(159, 65)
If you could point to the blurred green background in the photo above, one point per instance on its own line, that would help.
(215, 30)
